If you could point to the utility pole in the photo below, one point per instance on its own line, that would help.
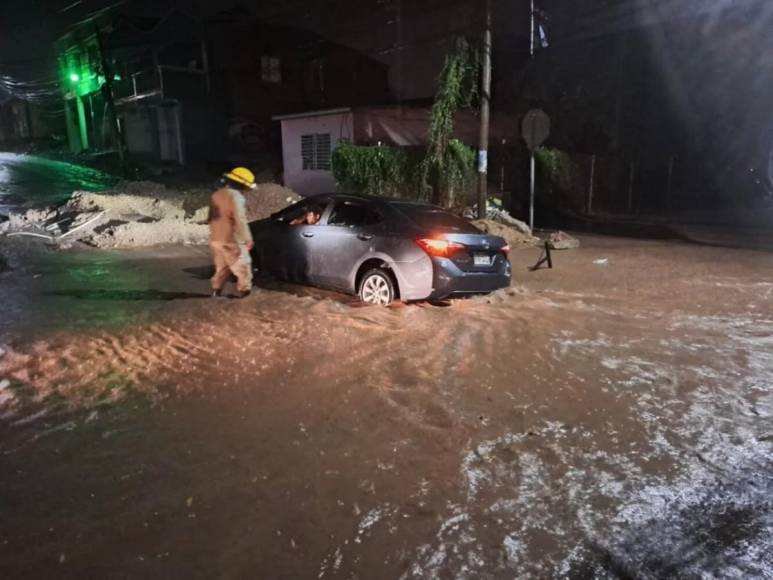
(107, 91)
(532, 164)
(485, 103)
(531, 36)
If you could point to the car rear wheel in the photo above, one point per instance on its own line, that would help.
(377, 288)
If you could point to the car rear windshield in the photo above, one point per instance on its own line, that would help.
(436, 219)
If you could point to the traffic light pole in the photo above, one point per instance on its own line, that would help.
(485, 103)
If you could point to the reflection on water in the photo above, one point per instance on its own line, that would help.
(31, 181)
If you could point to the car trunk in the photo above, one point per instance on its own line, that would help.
(481, 252)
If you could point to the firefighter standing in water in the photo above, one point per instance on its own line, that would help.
(229, 235)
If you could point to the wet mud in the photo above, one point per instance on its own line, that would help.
(609, 418)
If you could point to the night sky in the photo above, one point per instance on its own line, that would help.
(387, 30)
(713, 57)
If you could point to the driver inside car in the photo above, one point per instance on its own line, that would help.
(310, 218)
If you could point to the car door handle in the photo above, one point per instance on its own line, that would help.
(365, 237)
(308, 234)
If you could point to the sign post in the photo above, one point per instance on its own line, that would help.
(535, 129)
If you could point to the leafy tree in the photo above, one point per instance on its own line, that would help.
(448, 166)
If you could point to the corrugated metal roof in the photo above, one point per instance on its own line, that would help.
(321, 113)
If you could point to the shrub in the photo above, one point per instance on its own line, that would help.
(558, 167)
(376, 170)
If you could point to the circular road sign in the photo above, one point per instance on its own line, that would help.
(535, 128)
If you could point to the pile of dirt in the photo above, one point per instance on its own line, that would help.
(137, 214)
(514, 237)
(268, 198)
(168, 205)
(29, 218)
(562, 241)
(136, 234)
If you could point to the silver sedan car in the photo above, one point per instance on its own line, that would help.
(380, 249)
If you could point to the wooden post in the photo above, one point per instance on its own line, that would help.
(670, 181)
(591, 183)
(485, 98)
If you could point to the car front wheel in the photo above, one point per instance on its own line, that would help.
(377, 288)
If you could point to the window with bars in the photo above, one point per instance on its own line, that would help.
(270, 69)
(316, 152)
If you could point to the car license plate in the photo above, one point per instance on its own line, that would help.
(481, 259)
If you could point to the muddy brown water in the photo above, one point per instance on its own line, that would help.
(603, 419)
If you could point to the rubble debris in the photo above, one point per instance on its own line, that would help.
(268, 198)
(562, 241)
(125, 234)
(32, 217)
(505, 218)
(6, 394)
(159, 205)
(494, 212)
(512, 236)
(140, 214)
(201, 215)
(53, 225)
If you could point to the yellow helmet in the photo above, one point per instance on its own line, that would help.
(242, 175)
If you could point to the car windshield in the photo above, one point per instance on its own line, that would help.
(432, 218)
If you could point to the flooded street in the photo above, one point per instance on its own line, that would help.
(34, 181)
(609, 418)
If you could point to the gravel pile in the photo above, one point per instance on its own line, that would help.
(562, 241)
(138, 214)
(268, 198)
(514, 237)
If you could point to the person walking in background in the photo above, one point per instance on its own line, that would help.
(229, 235)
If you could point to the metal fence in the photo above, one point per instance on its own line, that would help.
(609, 186)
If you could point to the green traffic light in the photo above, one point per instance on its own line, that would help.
(75, 77)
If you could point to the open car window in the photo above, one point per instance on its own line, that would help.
(353, 214)
(299, 209)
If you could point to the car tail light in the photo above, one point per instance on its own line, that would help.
(505, 249)
(440, 248)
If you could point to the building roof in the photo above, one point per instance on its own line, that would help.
(308, 114)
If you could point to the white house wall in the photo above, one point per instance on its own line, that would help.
(308, 182)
